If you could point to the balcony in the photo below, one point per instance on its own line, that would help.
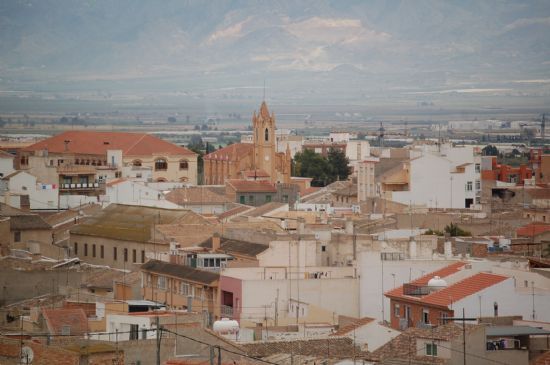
(416, 290)
(71, 170)
(226, 311)
(81, 186)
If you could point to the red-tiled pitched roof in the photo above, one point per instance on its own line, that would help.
(235, 211)
(463, 289)
(97, 143)
(459, 290)
(532, 229)
(74, 318)
(352, 326)
(252, 186)
(231, 152)
(442, 273)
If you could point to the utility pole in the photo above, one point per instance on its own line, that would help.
(219, 355)
(533, 296)
(157, 322)
(463, 319)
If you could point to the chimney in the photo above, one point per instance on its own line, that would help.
(66, 145)
(216, 242)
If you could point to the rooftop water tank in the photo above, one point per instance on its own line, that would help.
(437, 282)
(226, 326)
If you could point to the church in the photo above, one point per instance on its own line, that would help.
(250, 161)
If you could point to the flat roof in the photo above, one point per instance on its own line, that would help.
(493, 331)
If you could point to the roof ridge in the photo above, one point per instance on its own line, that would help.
(135, 143)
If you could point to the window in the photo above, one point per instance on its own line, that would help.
(268, 198)
(478, 167)
(425, 316)
(17, 236)
(161, 164)
(266, 134)
(115, 253)
(396, 310)
(186, 289)
(242, 199)
(444, 316)
(251, 198)
(85, 249)
(24, 160)
(134, 331)
(75, 248)
(161, 282)
(136, 163)
(93, 250)
(184, 165)
(323, 248)
(478, 185)
(102, 251)
(431, 349)
(142, 256)
(125, 255)
(469, 186)
(134, 256)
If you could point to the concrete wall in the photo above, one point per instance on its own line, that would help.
(16, 285)
(290, 253)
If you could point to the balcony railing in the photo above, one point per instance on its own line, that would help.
(413, 289)
(226, 311)
(81, 186)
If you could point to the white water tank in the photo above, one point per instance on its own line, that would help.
(437, 282)
(226, 326)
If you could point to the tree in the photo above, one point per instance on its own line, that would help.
(455, 231)
(489, 150)
(339, 164)
(313, 165)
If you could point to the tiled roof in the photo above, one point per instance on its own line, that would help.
(442, 273)
(20, 220)
(459, 290)
(352, 326)
(231, 152)
(4, 154)
(532, 229)
(234, 212)
(404, 346)
(237, 247)
(194, 195)
(264, 209)
(97, 143)
(463, 289)
(187, 273)
(58, 319)
(252, 186)
(128, 222)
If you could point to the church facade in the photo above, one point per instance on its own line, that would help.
(251, 161)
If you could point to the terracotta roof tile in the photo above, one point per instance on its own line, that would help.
(73, 319)
(455, 292)
(255, 173)
(195, 195)
(97, 143)
(234, 212)
(532, 229)
(231, 152)
(442, 273)
(352, 326)
(252, 186)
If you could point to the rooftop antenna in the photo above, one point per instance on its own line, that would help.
(264, 90)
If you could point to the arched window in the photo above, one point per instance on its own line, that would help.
(266, 134)
(184, 165)
(183, 179)
(136, 163)
(161, 179)
(161, 164)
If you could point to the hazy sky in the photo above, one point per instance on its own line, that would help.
(410, 47)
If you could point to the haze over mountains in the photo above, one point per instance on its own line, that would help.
(337, 49)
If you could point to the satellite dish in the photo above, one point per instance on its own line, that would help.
(27, 355)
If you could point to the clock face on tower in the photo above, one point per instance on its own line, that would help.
(266, 158)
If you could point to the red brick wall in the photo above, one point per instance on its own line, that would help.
(416, 313)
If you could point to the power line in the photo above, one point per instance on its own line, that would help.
(220, 348)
